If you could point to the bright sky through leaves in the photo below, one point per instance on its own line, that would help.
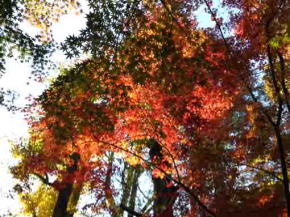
(17, 78)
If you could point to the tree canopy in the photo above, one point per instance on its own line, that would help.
(201, 114)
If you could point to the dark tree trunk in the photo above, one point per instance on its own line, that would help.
(283, 161)
(65, 189)
(165, 192)
(60, 209)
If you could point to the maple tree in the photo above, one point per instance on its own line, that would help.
(207, 115)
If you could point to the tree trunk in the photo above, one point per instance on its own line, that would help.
(165, 192)
(284, 168)
(65, 189)
(60, 209)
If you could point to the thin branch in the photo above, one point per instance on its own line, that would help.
(230, 54)
(283, 83)
(171, 14)
(276, 87)
(263, 170)
(173, 160)
(264, 112)
(186, 34)
(45, 179)
(143, 194)
(218, 26)
(145, 207)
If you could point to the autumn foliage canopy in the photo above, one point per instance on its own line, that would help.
(202, 113)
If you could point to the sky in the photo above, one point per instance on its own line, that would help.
(17, 78)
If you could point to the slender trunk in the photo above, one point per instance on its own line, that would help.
(278, 131)
(284, 168)
(126, 180)
(130, 178)
(125, 192)
(134, 187)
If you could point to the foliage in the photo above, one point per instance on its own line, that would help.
(162, 98)
(39, 203)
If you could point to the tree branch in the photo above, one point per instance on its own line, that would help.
(283, 83)
(45, 179)
(218, 26)
(173, 160)
(129, 210)
(263, 170)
